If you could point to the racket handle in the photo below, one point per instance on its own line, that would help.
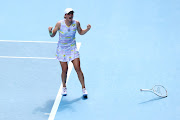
(145, 90)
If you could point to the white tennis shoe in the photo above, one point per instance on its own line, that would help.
(64, 91)
(84, 91)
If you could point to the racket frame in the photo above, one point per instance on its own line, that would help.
(152, 90)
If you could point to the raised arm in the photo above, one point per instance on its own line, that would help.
(57, 27)
(80, 30)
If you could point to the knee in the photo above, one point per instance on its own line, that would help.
(64, 70)
(78, 69)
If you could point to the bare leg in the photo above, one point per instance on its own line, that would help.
(64, 67)
(76, 63)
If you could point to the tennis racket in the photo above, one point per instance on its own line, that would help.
(159, 90)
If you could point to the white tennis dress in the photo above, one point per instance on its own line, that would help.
(66, 47)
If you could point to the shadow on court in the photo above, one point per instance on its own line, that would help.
(67, 104)
(46, 108)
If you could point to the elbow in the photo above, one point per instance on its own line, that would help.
(81, 33)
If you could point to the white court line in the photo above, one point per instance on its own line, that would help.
(59, 96)
(27, 41)
(25, 57)
(17, 57)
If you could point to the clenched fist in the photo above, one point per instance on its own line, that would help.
(88, 26)
(50, 28)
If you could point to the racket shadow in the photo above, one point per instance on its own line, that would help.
(152, 100)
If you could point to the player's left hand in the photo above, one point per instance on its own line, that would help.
(88, 26)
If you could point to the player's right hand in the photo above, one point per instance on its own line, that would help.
(50, 28)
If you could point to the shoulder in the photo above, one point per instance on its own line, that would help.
(77, 23)
(59, 22)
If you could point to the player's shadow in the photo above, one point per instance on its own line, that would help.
(46, 108)
(151, 100)
(67, 104)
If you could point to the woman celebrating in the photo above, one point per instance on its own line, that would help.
(66, 48)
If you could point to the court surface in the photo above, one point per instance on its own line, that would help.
(131, 45)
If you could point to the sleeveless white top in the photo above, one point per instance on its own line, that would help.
(66, 47)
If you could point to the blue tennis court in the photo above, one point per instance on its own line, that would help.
(131, 45)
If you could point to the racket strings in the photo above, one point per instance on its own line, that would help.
(160, 91)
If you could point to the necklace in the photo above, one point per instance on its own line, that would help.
(68, 29)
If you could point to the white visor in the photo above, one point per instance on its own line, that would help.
(67, 10)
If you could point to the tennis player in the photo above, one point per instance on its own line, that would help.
(66, 47)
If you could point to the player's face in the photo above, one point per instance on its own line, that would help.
(69, 16)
